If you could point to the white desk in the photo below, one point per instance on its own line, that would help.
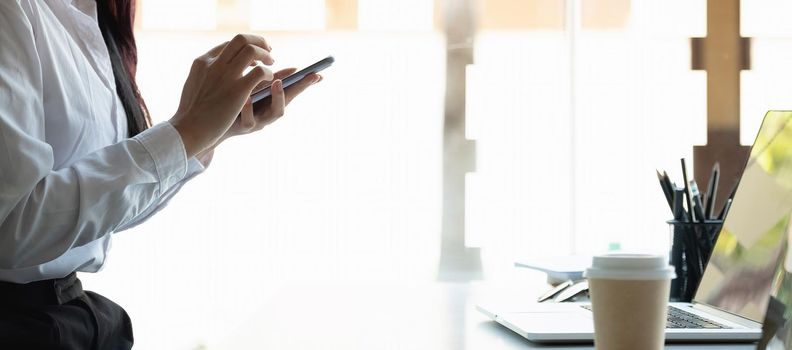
(430, 316)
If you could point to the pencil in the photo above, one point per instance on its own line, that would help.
(688, 200)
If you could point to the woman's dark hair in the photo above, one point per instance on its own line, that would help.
(116, 21)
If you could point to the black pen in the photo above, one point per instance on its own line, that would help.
(712, 188)
(688, 200)
(668, 184)
(667, 191)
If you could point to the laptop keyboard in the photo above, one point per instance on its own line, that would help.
(678, 318)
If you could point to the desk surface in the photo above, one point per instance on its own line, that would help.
(428, 316)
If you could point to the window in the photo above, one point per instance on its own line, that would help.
(178, 14)
(572, 120)
(287, 15)
(403, 15)
(345, 187)
(765, 85)
(572, 105)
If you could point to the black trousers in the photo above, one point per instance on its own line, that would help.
(58, 314)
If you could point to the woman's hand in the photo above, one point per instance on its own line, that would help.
(216, 90)
(253, 118)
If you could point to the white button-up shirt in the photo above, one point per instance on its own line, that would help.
(69, 174)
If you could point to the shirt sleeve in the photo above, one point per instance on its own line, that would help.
(194, 168)
(45, 212)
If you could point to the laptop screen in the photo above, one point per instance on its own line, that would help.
(749, 249)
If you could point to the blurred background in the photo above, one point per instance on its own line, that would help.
(450, 138)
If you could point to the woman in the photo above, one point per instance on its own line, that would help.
(78, 160)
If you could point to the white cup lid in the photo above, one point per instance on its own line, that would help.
(630, 267)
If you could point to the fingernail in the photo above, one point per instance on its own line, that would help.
(280, 85)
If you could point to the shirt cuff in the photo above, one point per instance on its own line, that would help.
(165, 146)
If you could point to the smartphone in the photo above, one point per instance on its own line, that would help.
(290, 80)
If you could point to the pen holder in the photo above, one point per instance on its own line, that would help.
(692, 244)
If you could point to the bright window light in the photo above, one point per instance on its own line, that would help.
(179, 14)
(388, 15)
(545, 186)
(287, 15)
(653, 18)
(345, 188)
(518, 198)
(765, 85)
(769, 18)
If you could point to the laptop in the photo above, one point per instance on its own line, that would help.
(731, 301)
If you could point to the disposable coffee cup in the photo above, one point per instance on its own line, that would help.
(629, 299)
